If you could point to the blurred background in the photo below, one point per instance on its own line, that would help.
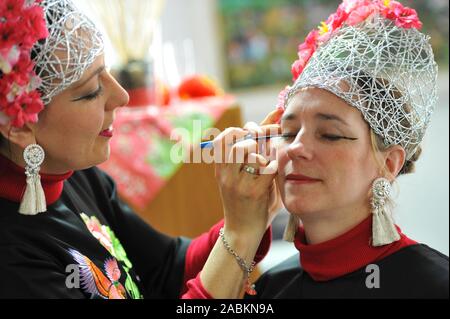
(223, 62)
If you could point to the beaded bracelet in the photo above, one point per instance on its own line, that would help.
(248, 269)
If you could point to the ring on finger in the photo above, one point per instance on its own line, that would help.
(250, 170)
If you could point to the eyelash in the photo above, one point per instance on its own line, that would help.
(288, 136)
(94, 95)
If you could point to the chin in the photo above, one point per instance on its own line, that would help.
(104, 156)
(100, 159)
(297, 206)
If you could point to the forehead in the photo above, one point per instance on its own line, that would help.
(93, 69)
(312, 99)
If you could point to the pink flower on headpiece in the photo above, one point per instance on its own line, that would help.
(24, 109)
(305, 51)
(303, 57)
(404, 17)
(297, 69)
(360, 14)
(282, 98)
(310, 41)
(336, 19)
(407, 19)
(350, 5)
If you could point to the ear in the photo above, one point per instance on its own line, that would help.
(394, 159)
(22, 136)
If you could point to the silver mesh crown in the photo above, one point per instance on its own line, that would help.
(390, 76)
(71, 47)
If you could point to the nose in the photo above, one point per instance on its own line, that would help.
(300, 147)
(118, 96)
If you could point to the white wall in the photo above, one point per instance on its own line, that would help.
(197, 20)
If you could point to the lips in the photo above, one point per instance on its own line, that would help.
(300, 179)
(107, 132)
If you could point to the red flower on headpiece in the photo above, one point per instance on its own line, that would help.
(404, 17)
(297, 69)
(34, 22)
(310, 41)
(350, 12)
(9, 34)
(305, 51)
(282, 98)
(336, 19)
(21, 26)
(23, 70)
(25, 108)
(11, 9)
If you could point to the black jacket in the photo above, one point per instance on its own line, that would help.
(416, 271)
(38, 253)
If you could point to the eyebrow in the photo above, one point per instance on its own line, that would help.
(288, 117)
(330, 117)
(96, 72)
(320, 116)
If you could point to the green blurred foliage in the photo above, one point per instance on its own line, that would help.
(261, 36)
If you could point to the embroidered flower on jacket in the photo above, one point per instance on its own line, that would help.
(111, 243)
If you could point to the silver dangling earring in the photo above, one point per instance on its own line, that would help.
(291, 228)
(383, 228)
(33, 200)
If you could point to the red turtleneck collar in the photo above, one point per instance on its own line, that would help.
(346, 253)
(13, 182)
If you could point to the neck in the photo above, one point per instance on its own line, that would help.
(322, 227)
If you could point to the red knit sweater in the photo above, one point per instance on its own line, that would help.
(346, 253)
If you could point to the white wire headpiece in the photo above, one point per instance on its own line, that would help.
(390, 76)
(71, 47)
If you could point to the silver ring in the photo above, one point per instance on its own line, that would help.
(250, 170)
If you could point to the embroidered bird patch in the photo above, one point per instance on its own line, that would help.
(94, 281)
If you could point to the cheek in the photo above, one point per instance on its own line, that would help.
(72, 130)
(349, 169)
(83, 130)
(282, 159)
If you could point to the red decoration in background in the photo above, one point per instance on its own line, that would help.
(198, 86)
(139, 134)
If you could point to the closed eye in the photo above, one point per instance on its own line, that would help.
(288, 136)
(331, 137)
(91, 96)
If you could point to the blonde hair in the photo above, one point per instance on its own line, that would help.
(379, 146)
